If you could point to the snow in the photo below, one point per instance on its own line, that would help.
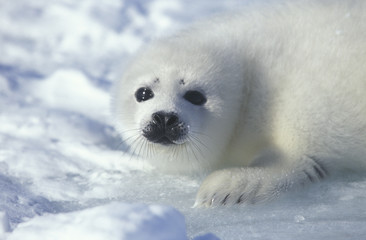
(70, 90)
(63, 172)
(114, 221)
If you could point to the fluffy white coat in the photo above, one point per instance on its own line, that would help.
(286, 98)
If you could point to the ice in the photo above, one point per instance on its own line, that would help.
(62, 166)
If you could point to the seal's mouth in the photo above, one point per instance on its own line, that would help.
(165, 141)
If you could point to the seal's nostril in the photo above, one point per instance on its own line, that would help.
(158, 118)
(165, 119)
(171, 119)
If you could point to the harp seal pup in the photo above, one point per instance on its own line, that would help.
(265, 100)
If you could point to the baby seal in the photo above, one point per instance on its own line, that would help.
(270, 98)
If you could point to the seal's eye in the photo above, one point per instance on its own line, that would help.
(195, 97)
(143, 94)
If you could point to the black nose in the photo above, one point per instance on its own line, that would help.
(164, 128)
(165, 119)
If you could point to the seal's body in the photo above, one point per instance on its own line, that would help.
(275, 95)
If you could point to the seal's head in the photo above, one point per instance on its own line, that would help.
(177, 104)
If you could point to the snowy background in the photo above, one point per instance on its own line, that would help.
(63, 174)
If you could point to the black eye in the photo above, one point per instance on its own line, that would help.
(143, 94)
(195, 97)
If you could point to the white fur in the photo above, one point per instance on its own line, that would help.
(286, 90)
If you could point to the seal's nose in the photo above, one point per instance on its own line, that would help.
(165, 119)
(165, 128)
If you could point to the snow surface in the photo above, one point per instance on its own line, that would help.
(63, 174)
(113, 221)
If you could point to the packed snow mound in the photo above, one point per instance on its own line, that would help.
(114, 221)
(69, 89)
